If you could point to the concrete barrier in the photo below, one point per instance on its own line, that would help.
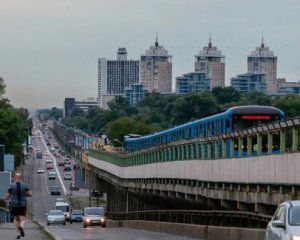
(197, 231)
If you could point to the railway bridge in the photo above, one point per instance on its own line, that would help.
(182, 175)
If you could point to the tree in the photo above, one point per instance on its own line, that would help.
(193, 106)
(289, 104)
(258, 98)
(56, 113)
(119, 128)
(226, 95)
(2, 86)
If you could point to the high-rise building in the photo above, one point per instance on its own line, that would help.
(116, 75)
(135, 93)
(156, 69)
(194, 82)
(249, 82)
(211, 62)
(263, 60)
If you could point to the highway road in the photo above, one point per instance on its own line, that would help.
(42, 201)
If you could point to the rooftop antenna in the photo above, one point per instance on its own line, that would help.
(156, 40)
(209, 43)
(262, 41)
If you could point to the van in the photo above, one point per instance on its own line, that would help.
(64, 206)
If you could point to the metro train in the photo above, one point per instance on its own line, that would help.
(233, 119)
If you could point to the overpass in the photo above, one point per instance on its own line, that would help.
(198, 174)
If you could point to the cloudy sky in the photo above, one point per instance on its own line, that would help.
(49, 48)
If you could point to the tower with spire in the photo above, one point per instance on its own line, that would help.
(156, 69)
(210, 61)
(262, 60)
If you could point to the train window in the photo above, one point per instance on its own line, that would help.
(208, 129)
(200, 130)
(227, 123)
(217, 127)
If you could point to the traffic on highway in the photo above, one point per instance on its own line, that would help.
(52, 171)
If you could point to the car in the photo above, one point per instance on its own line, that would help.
(52, 149)
(76, 166)
(73, 186)
(57, 155)
(56, 217)
(46, 153)
(67, 161)
(67, 176)
(76, 215)
(94, 216)
(285, 224)
(55, 190)
(61, 163)
(49, 161)
(51, 175)
(40, 171)
(67, 168)
(49, 166)
(59, 200)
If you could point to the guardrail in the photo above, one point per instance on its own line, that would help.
(4, 215)
(202, 217)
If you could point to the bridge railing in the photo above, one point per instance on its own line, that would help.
(203, 217)
(4, 215)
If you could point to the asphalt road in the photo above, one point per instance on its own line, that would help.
(42, 202)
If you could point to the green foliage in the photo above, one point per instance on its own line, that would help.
(226, 95)
(289, 104)
(258, 98)
(56, 113)
(123, 126)
(193, 106)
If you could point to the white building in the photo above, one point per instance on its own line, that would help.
(114, 76)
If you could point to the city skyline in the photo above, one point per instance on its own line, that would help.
(49, 51)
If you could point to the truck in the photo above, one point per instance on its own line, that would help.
(64, 206)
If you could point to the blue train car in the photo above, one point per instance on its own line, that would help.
(235, 118)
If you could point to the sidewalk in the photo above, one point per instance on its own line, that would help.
(32, 231)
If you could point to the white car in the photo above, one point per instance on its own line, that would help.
(285, 224)
(40, 171)
(46, 153)
(56, 216)
(67, 176)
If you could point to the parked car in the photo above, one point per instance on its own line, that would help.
(94, 216)
(76, 215)
(56, 217)
(67, 176)
(55, 190)
(285, 224)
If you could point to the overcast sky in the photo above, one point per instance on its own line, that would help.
(49, 48)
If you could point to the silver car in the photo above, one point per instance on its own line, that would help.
(56, 217)
(285, 224)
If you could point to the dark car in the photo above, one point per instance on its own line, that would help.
(94, 216)
(67, 167)
(55, 190)
(76, 166)
(76, 215)
(61, 163)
